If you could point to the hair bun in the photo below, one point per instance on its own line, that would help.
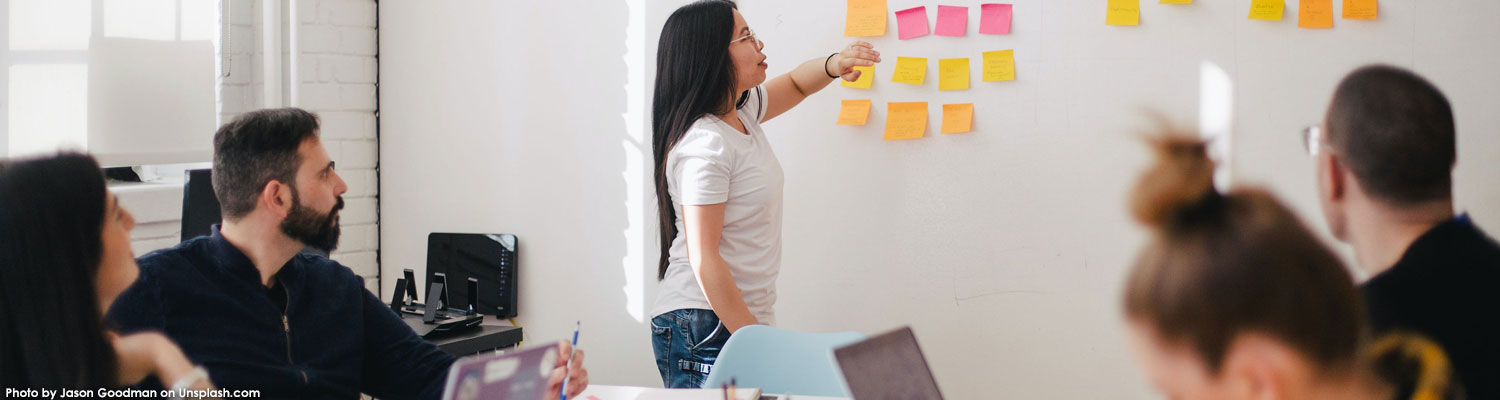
(1181, 180)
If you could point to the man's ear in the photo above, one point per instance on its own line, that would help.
(1336, 180)
(276, 197)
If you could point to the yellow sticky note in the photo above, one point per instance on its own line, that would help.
(958, 118)
(866, 77)
(1266, 10)
(1123, 12)
(1361, 9)
(854, 112)
(905, 120)
(999, 66)
(1176, 2)
(1315, 14)
(865, 18)
(911, 70)
(953, 74)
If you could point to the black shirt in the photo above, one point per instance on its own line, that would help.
(1447, 286)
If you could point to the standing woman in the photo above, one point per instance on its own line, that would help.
(718, 184)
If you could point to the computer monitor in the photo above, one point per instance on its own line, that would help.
(200, 209)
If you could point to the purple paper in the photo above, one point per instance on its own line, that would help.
(952, 21)
(994, 19)
(912, 22)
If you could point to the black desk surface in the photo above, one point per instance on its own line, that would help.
(487, 337)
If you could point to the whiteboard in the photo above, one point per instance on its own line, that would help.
(1004, 248)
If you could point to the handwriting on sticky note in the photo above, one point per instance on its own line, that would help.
(952, 21)
(994, 19)
(912, 22)
(1315, 14)
(999, 66)
(865, 18)
(1361, 9)
(1123, 12)
(866, 77)
(911, 70)
(854, 112)
(953, 74)
(1176, 2)
(905, 120)
(1266, 10)
(958, 118)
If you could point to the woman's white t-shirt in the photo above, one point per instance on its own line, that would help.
(712, 164)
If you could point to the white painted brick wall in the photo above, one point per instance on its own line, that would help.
(336, 76)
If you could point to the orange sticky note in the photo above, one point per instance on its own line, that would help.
(1361, 9)
(958, 118)
(953, 74)
(911, 70)
(999, 66)
(866, 78)
(1123, 12)
(854, 112)
(865, 18)
(905, 120)
(1266, 10)
(1316, 14)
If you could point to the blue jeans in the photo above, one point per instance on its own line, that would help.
(687, 342)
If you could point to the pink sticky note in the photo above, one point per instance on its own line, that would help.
(912, 22)
(994, 19)
(952, 21)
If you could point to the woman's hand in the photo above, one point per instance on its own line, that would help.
(150, 353)
(857, 54)
(578, 377)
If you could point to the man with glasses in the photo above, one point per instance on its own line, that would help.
(1385, 154)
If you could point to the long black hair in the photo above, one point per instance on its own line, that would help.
(52, 333)
(694, 77)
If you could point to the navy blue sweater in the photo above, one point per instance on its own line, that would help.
(334, 339)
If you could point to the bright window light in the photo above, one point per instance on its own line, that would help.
(49, 24)
(48, 108)
(141, 19)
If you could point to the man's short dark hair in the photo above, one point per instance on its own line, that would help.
(1394, 131)
(254, 149)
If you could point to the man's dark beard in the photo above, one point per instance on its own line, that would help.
(319, 231)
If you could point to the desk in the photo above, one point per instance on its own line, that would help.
(487, 337)
(609, 392)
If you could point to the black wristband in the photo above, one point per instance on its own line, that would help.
(825, 65)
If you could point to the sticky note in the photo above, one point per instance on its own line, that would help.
(1315, 14)
(866, 77)
(911, 70)
(1123, 12)
(994, 19)
(905, 120)
(1266, 10)
(952, 21)
(854, 112)
(999, 66)
(953, 74)
(1361, 9)
(865, 18)
(912, 22)
(958, 118)
(1176, 2)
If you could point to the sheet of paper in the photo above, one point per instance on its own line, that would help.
(1315, 14)
(1361, 9)
(854, 112)
(958, 118)
(1123, 12)
(1266, 10)
(866, 78)
(952, 21)
(994, 19)
(1176, 2)
(912, 22)
(905, 120)
(865, 18)
(999, 66)
(911, 70)
(953, 74)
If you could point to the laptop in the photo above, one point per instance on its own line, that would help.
(889, 366)
(518, 374)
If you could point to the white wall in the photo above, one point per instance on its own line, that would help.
(1004, 248)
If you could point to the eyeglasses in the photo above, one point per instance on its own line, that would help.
(1312, 140)
(751, 37)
